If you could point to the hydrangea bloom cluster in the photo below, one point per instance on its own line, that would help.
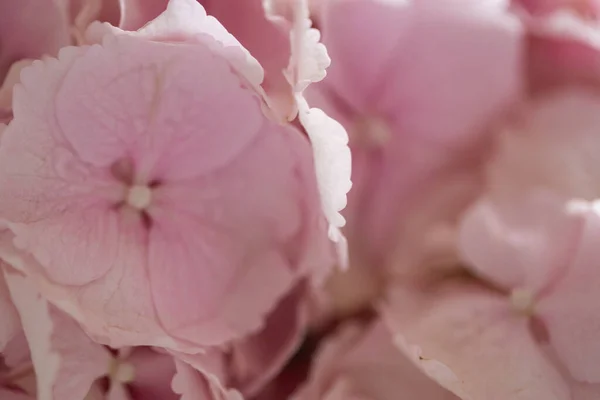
(298, 199)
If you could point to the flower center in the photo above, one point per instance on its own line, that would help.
(522, 301)
(139, 197)
(120, 371)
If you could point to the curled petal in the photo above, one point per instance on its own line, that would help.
(186, 18)
(333, 164)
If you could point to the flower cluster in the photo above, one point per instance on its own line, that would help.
(299, 199)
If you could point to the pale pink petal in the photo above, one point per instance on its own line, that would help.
(405, 55)
(333, 164)
(579, 390)
(67, 362)
(547, 146)
(230, 276)
(519, 244)
(186, 19)
(267, 38)
(141, 99)
(570, 309)
(476, 335)
(12, 78)
(309, 59)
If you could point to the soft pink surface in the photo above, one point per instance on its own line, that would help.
(157, 120)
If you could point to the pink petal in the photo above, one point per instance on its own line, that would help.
(519, 244)
(546, 147)
(143, 96)
(309, 58)
(474, 334)
(256, 359)
(188, 19)
(67, 362)
(400, 63)
(267, 38)
(230, 275)
(579, 390)
(11, 79)
(247, 364)
(570, 310)
(364, 364)
(333, 166)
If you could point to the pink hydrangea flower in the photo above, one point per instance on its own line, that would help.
(513, 315)
(151, 202)
(425, 111)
